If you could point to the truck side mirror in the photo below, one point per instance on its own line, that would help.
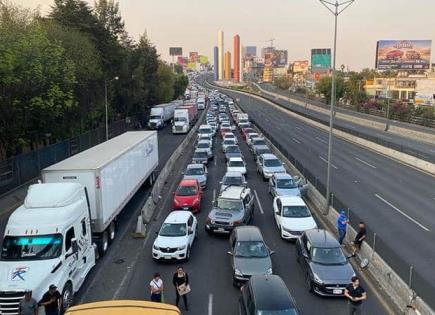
(74, 245)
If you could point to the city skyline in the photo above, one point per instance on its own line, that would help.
(297, 27)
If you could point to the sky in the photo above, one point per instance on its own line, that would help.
(296, 25)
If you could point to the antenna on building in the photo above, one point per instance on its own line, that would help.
(271, 42)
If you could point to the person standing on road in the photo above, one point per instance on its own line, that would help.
(51, 300)
(156, 288)
(356, 294)
(342, 222)
(181, 284)
(359, 238)
(28, 305)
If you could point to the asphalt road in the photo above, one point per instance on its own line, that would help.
(423, 150)
(395, 200)
(209, 266)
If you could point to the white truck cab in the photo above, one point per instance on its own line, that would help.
(48, 240)
(181, 123)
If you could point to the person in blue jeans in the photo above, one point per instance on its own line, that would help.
(342, 222)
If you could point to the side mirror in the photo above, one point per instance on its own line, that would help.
(157, 232)
(74, 246)
(230, 253)
(271, 252)
(190, 232)
(220, 183)
(182, 173)
(173, 193)
(305, 254)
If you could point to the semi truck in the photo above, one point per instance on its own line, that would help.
(69, 219)
(161, 114)
(184, 118)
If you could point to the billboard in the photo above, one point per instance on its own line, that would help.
(203, 60)
(280, 58)
(320, 59)
(193, 56)
(182, 61)
(425, 92)
(175, 51)
(300, 66)
(250, 51)
(403, 54)
(268, 59)
(191, 66)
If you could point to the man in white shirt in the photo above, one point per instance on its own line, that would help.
(156, 288)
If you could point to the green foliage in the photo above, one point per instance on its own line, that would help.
(283, 82)
(324, 87)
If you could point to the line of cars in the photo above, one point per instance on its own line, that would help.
(327, 270)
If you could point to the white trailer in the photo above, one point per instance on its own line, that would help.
(161, 114)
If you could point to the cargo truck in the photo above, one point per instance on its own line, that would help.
(69, 220)
(184, 118)
(160, 115)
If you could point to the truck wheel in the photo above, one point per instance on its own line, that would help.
(67, 296)
(103, 243)
(112, 231)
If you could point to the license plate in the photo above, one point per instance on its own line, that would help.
(167, 257)
(337, 291)
(220, 230)
(185, 208)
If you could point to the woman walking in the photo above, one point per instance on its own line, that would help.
(181, 284)
(156, 288)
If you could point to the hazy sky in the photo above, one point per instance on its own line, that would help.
(297, 25)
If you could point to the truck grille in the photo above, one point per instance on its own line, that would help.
(179, 128)
(9, 302)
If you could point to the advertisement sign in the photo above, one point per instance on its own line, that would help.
(425, 92)
(300, 66)
(175, 51)
(268, 59)
(193, 56)
(320, 59)
(203, 60)
(403, 54)
(182, 61)
(191, 66)
(280, 58)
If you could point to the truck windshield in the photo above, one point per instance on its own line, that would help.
(17, 248)
(154, 117)
(179, 119)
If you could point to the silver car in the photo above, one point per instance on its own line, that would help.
(197, 171)
(283, 184)
(269, 164)
(205, 145)
(232, 179)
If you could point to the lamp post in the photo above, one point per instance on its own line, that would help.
(387, 95)
(336, 9)
(107, 105)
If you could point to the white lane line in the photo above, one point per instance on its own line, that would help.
(322, 140)
(210, 304)
(402, 213)
(298, 128)
(364, 162)
(326, 161)
(296, 140)
(258, 201)
(215, 161)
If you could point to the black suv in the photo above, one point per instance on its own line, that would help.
(266, 295)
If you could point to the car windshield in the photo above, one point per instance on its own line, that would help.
(204, 145)
(22, 248)
(186, 190)
(233, 149)
(328, 256)
(286, 184)
(262, 151)
(231, 205)
(251, 249)
(173, 229)
(295, 212)
(272, 163)
(200, 154)
(179, 119)
(259, 142)
(195, 171)
(205, 130)
(229, 141)
(236, 164)
(288, 311)
(233, 180)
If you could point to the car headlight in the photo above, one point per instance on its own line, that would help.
(269, 271)
(317, 279)
(196, 201)
(238, 273)
(176, 202)
(266, 172)
(155, 247)
(182, 247)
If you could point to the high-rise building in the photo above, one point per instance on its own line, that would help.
(221, 55)
(242, 53)
(250, 51)
(227, 66)
(236, 51)
(216, 62)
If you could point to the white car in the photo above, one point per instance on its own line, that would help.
(236, 164)
(176, 236)
(230, 135)
(226, 143)
(292, 217)
(251, 136)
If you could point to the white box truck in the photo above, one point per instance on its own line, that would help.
(160, 115)
(67, 221)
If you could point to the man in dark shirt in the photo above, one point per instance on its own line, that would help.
(359, 238)
(51, 301)
(356, 294)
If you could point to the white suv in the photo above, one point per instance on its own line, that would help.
(176, 236)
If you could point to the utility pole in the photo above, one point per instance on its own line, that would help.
(336, 9)
(107, 105)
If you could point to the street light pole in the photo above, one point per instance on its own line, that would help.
(337, 8)
(107, 106)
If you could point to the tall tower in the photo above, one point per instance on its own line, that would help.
(221, 55)
(236, 51)
(227, 66)
(242, 66)
(216, 62)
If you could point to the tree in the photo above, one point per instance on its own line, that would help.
(324, 87)
(165, 83)
(107, 12)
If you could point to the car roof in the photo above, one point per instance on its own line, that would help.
(232, 192)
(292, 201)
(282, 176)
(321, 238)
(269, 156)
(188, 182)
(248, 233)
(270, 292)
(204, 141)
(233, 174)
(195, 165)
(236, 158)
(178, 216)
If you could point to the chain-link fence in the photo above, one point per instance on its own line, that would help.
(23, 168)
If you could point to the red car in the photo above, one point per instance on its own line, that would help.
(223, 131)
(188, 196)
(394, 54)
(245, 132)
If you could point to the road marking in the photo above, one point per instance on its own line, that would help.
(402, 213)
(366, 163)
(296, 140)
(214, 196)
(326, 161)
(215, 161)
(322, 140)
(258, 201)
(210, 304)
(298, 128)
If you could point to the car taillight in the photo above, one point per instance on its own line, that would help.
(236, 223)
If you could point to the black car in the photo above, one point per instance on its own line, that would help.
(327, 271)
(266, 295)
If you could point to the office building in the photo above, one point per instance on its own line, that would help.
(216, 62)
(221, 55)
(250, 51)
(236, 52)
(227, 66)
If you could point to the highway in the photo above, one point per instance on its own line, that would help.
(395, 200)
(422, 149)
(126, 272)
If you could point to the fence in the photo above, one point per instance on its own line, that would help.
(23, 168)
